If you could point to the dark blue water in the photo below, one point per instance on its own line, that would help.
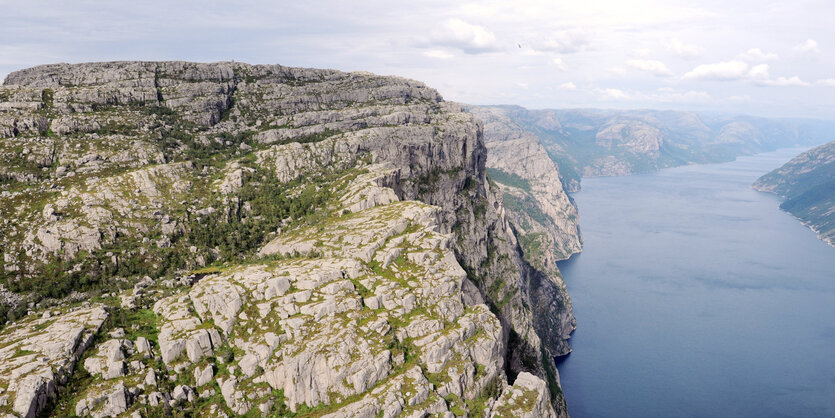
(696, 296)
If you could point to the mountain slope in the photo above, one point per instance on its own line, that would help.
(227, 238)
(807, 183)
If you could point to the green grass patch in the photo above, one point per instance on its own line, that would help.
(526, 205)
(508, 179)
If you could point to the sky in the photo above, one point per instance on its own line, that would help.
(766, 58)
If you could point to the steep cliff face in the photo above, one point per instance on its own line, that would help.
(541, 214)
(359, 263)
(596, 142)
(807, 183)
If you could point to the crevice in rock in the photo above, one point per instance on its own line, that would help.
(160, 99)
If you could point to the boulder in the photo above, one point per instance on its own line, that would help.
(203, 376)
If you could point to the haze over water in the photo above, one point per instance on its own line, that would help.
(696, 296)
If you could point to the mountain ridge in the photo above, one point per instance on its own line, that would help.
(594, 142)
(202, 219)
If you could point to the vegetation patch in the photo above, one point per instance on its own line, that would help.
(508, 179)
(532, 248)
(526, 205)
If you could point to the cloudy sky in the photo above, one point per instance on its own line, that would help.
(770, 58)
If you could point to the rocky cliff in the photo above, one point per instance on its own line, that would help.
(540, 212)
(227, 239)
(807, 183)
(597, 142)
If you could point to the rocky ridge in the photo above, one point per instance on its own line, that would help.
(344, 211)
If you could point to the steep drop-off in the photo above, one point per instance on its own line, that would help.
(807, 183)
(226, 239)
(540, 212)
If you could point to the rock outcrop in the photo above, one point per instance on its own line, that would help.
(524, 399)
(37, 354)
(270, 239)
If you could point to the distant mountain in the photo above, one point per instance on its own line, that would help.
(594, 142)
(807, 182)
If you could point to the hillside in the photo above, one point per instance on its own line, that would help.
(807, 183)
(596, 142)
(224, 239)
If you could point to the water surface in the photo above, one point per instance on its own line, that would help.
(696, 296)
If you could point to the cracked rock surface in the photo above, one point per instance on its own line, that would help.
(226, 239)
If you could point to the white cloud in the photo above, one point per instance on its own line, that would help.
(617, 70)
(738, 70)
(616, 94)
(829, 82)
(784, 82)
(465, 36)
(563, 42)
(686, 51)
(438, 53)
(758, 71)
(810, 46)
(654, 67)
(568, 86)
(559, 63)
(728, 70)
(756, 54)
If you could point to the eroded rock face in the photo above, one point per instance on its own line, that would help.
(633, 137)
(382, 299)
(109, 402)
(370, 300)
(108, 362)
(378, 306)
(182, 332)
(38, 354)
(524, 399)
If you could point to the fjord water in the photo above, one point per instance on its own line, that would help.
(696, 296)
